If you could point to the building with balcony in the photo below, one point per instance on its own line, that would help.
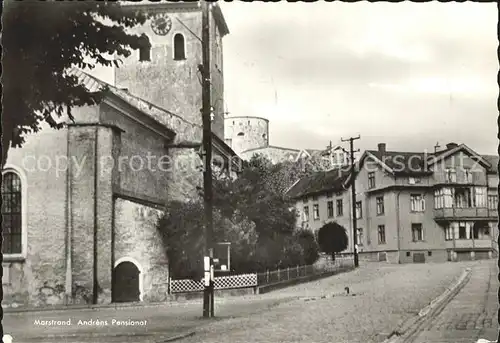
(410, 206)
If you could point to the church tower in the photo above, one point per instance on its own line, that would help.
(168, 75)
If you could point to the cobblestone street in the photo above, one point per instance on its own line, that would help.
(472, 314)
(162, 320)
(317, 311)
(385, 295)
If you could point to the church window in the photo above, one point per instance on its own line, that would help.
(179, 47)
(144, 54)
(145, 51)
(11, 213)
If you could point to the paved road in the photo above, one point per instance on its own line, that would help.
(312, 312)
(385, 295)
(472, 314)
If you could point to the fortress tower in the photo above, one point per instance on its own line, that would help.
(168, 75)
(244, 133)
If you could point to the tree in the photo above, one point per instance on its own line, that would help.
(309, 245)
(256, 199)
(240, 232)
(41, 41)
(332, 238)
(182, 232)
(251, 214)
(283, 175)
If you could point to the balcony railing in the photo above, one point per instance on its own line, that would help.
(460, 243)
(466, 212)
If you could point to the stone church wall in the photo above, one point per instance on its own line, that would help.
(137, 167)
(38, 278)
(137, 238)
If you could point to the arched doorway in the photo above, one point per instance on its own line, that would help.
(126, 282)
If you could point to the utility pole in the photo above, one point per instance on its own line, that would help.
(353, 195)
(208, 293)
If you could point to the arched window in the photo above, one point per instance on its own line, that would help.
(11, 213)
(144, 54)
(241, 134)
(179, 47)
(145, 50)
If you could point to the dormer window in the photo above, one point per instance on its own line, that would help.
(179, 47)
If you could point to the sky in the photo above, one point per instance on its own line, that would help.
(408, 74)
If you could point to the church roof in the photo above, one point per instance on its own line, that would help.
(171, 121)
(158, 114)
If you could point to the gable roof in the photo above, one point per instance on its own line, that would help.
(493, 161)
(453, 150)
(417, 163)
(394, 162)
(397, 162)
(320, 182)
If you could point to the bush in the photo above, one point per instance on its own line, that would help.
(309, 245)
(181, 230)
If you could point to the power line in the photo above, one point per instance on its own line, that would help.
(208, 292)
(187, 28)
(353, 195)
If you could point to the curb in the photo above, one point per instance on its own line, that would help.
(405, 332)
(172, 302)
(178, 337)
(304, 279)
(104, 335)
(97, 307)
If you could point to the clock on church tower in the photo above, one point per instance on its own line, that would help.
(166, 75)
(161, 24)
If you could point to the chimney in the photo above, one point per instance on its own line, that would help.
(381, 148)
(451, 145)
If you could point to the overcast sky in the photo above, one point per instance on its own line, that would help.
(406, 74)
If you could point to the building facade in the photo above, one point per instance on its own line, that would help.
(411, 207)
(80, 205)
